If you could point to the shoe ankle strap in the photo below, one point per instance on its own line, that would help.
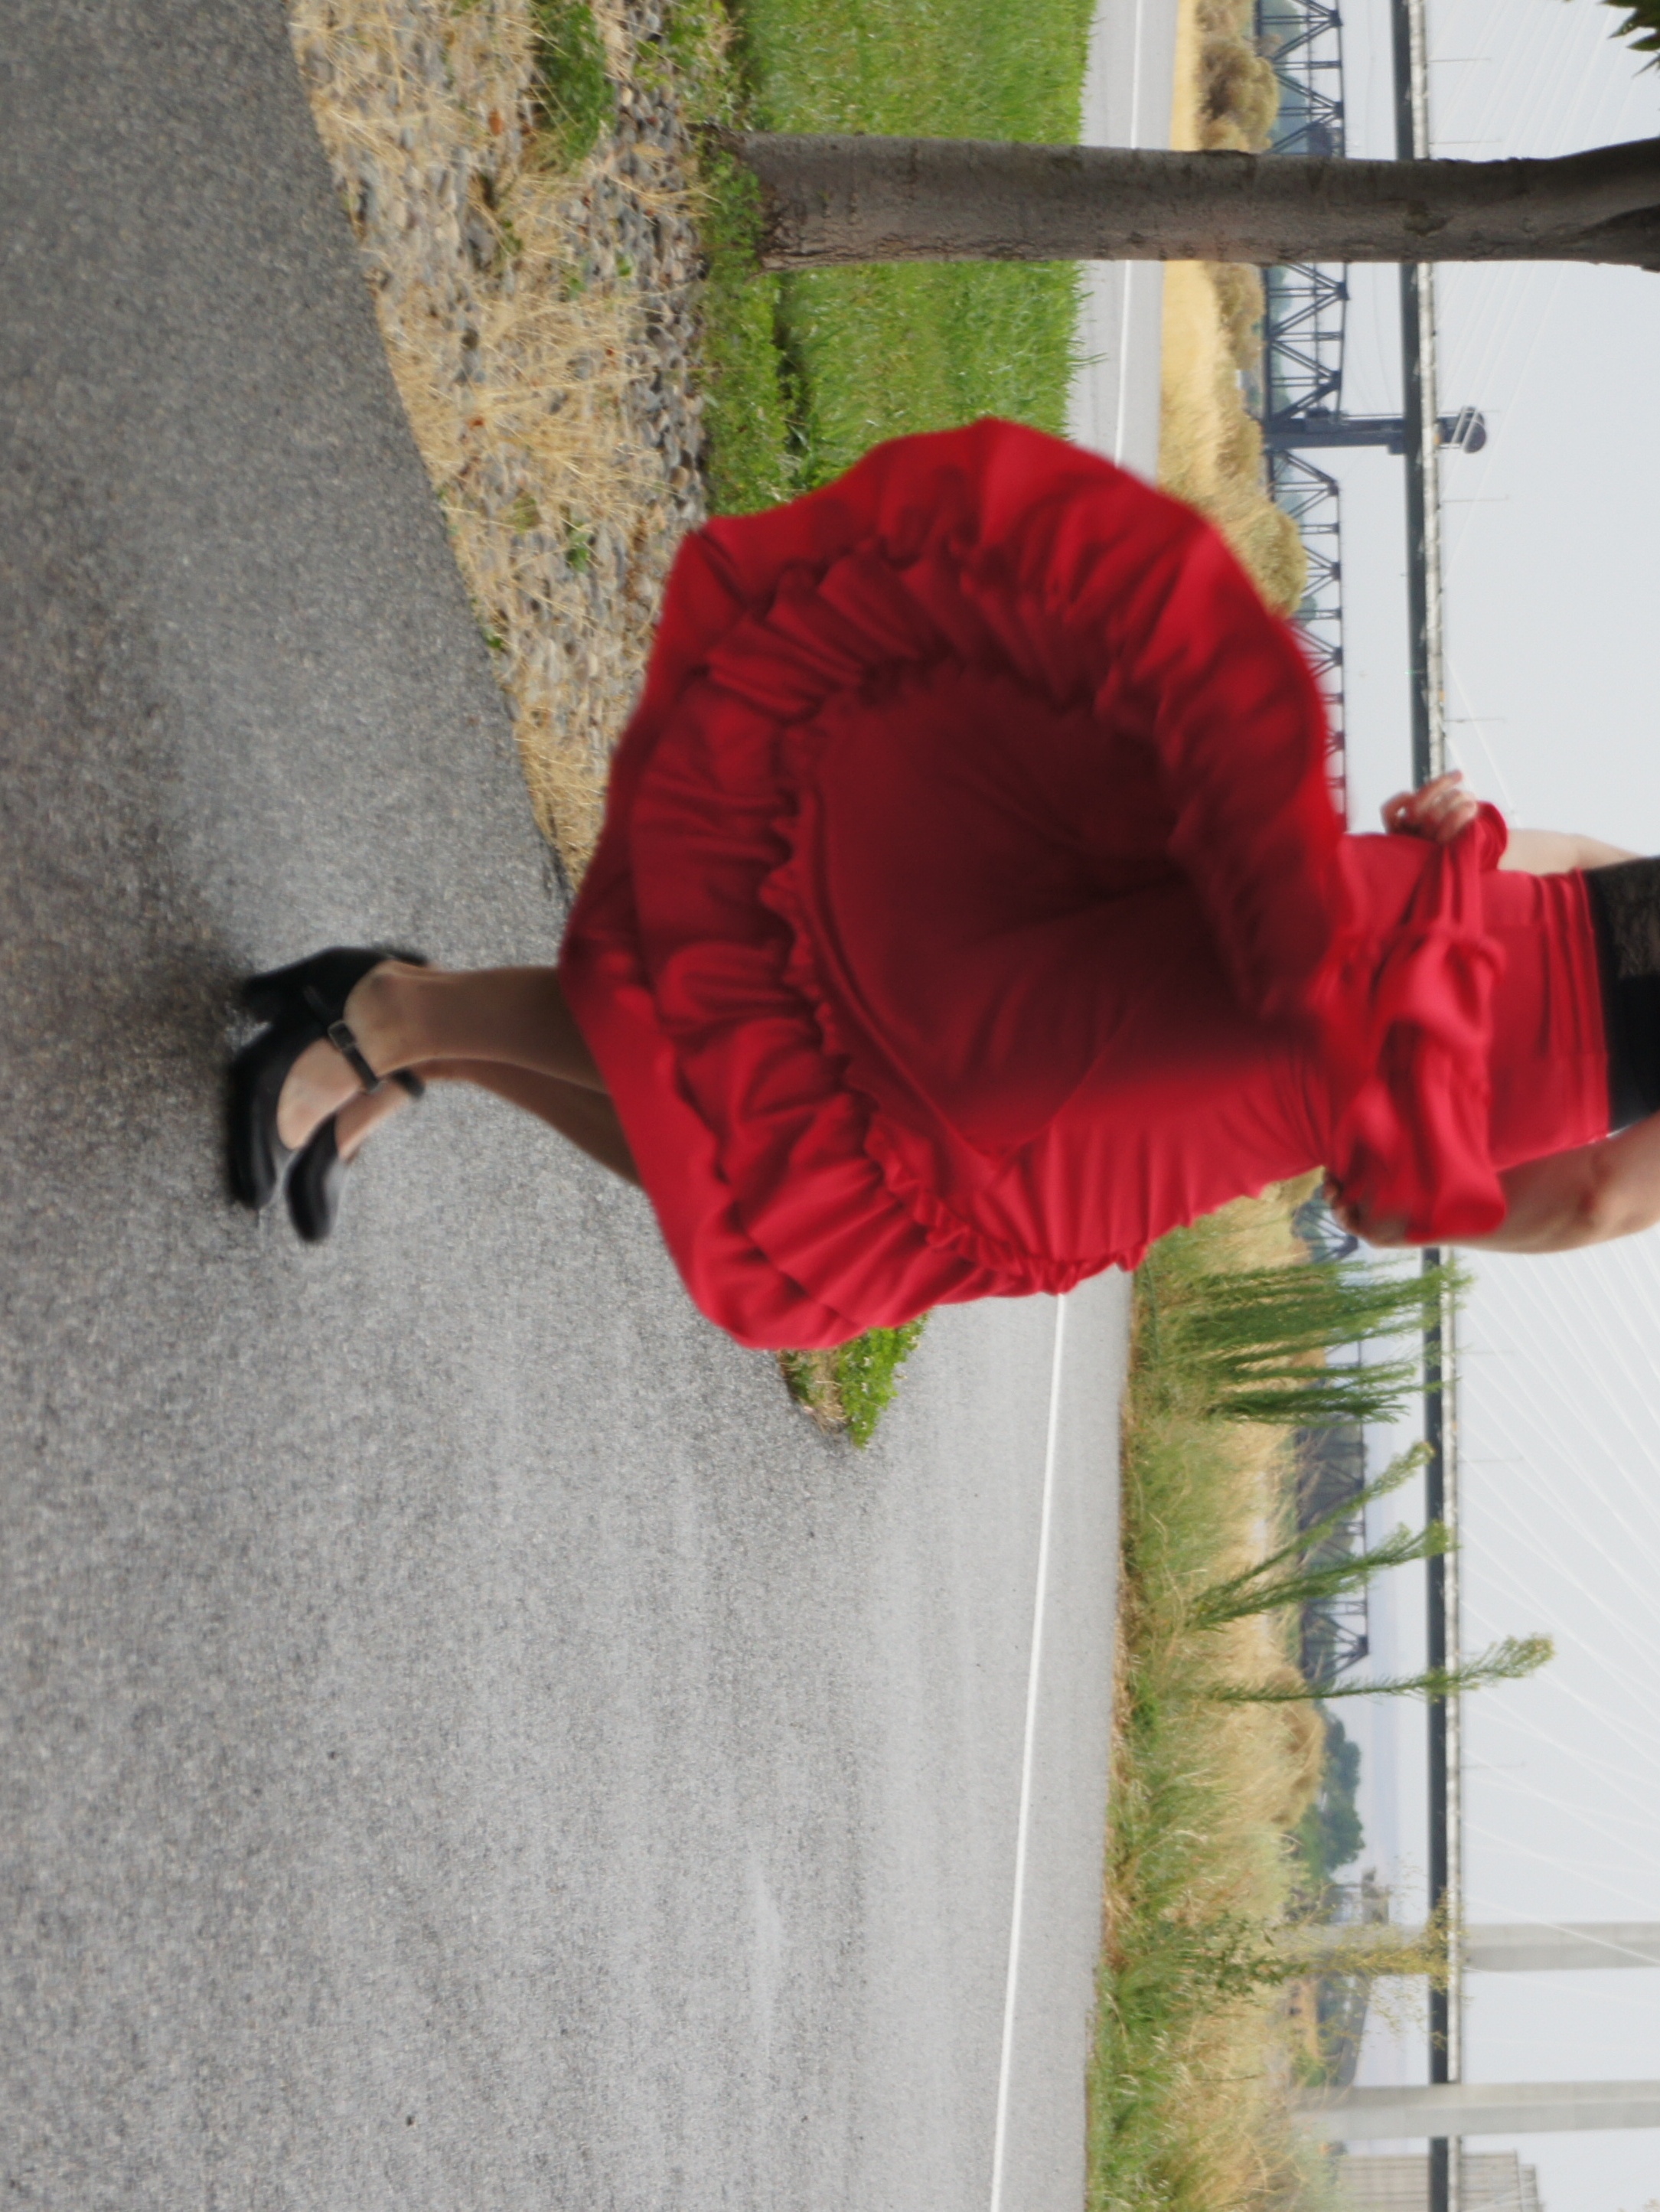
(340, 1036)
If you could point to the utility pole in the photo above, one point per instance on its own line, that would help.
(1420, 411)
(1525, 1947)
(1443, 2111)
(1498, 2108)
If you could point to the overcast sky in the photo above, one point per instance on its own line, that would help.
(1553, 620)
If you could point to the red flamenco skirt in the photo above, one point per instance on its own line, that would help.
(971, 906)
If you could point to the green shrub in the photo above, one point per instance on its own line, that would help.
(1329, 1835)
(849, 1387)
(867, 1374)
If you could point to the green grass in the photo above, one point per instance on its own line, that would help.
(752, 460)
(577, 99)
(809, 371)
(751, 404)
(884, 350)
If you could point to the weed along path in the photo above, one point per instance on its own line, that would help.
(471, 1741)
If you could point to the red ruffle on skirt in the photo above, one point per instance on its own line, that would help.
(971, 906)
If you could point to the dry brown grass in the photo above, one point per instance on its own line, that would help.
(513, 362)
(1210, 447)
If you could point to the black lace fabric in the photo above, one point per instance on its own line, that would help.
(1624, 904)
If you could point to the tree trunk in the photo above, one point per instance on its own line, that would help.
(829, 199)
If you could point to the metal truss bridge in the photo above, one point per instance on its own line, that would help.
(1299, 396)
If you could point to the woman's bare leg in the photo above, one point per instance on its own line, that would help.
(406, 1017)
(401, 1016)
(586, 1117)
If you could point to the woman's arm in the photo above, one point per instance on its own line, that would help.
(1559, 1203)
(1555, 852)
(1587, 1196)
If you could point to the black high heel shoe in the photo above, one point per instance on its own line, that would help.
(258, 1157)
(302, 1003)
(317, 1180)
(317, 990)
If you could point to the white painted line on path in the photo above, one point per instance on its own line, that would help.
(1034, 1673)
(1012, 1986)
(1120, 435)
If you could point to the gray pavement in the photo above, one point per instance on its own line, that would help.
(1129, 87)
(468, 1742)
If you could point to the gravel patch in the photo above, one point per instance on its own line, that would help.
(542, 326)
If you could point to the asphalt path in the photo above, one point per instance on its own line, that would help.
(1128, 88)
(468, 1740)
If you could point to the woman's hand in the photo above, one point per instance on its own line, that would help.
(1438, 810)
(1388, 1234)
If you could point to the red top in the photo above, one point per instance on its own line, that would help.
(971, 907)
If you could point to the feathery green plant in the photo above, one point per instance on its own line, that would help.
(1510, 1660)
(1294, 1575)
(1250, 1343)
(1267, 1586)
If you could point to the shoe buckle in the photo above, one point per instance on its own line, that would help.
(340, 1036)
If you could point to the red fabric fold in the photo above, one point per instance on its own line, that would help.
(1407, 1029)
